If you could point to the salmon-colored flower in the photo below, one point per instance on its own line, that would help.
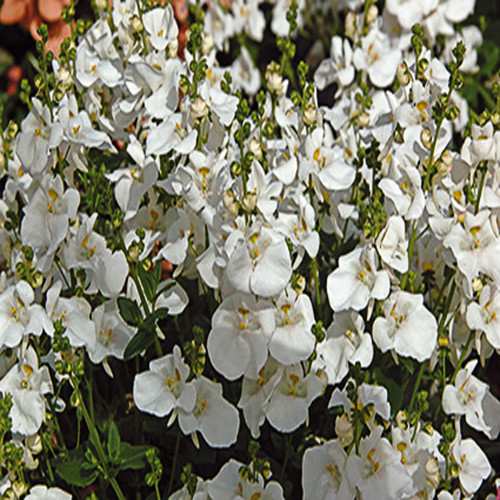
(32, 13)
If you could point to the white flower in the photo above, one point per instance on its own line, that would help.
(173, 298)
(19, 316)
(216, 419)
(237, 342)
(46, 218)
(408, 327)
(356, 281)
(163, 387)
(367, 395)
(475, 246)
(323, 473)
(41, 492)
(485, 316)
(378, 472)
(377, 57)
(338, 67)
(326, 162)
(161, 26)
(38, 136)
(131, 185)
(229, 484)
(105, 271)
(292, 340)
(392, 245)
(473, 463)
(256, 393)
(113, 334)
(27, 383)
(74, 315)
(472, 398)
(288, 406)
(346, 342)
(259, 262)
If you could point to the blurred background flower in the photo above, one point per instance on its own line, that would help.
(32, 13)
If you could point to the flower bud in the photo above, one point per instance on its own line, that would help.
(402, 420)
(350, 25)
(445, 163)
(63, 77)
(19, 489)
(344, 429)
(432, 472)
(249, 202)
(172, 49)
(34, 444)
(403, 74)
(101, 4)
(207, 44)
(274, 80)
(310, 114)
(364, 119)
(372, 14)
(495, 118)
(136, 24)
(426, 137)
(255, 149)
(199, 109)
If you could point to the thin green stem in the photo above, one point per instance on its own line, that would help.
(417, 386)
(174, 463)
(288, 447)
(94, 435)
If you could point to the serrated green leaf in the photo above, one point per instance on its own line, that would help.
(113, 442)
(129, 311)
(73, 472)
(139, 343)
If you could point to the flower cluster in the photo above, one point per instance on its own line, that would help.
(263, 254)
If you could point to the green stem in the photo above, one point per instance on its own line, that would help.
(481, 187)
(463, 355)
(174, 463)
(94, 435)
(417, 386)
(288, 447)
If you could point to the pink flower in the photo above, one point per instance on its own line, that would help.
(32, 13)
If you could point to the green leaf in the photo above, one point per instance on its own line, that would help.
(133, 456)
(129, 311)
(149, 284)
(408, 364)
(72, 470)
(139, 343)
(113, 442)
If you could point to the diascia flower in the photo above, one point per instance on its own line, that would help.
(346, 343)
(259, 261)
(229, 484)
(323, 473)
(41, 492)
(356, 281)
(408, 327)
(485, 316)
(163, 387)
(19, 315)
(473, 463)
(241, 329)
(378, 472)
(217, 420)
(472, 398)
(288, 406)
(292, 340)
(27, 383)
